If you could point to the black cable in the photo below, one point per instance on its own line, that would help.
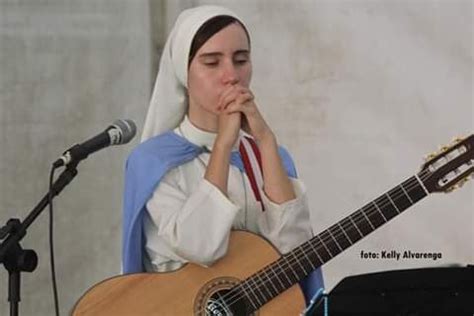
(51, 244)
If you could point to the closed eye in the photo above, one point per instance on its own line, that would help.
(241, 61)
(211, 63)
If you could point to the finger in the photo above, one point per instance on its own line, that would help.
(225, 95)
(239, 104)
(245, 98)
(226, 90)
(230, 98)
(222, 95)
(246, 90)
(234, 88)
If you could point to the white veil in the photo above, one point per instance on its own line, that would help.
(168, 103)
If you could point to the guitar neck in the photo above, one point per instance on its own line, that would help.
(298, 263)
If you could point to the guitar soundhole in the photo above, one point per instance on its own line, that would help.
(218, 305)
(217, 299)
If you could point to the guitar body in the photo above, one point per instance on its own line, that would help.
(183, 291)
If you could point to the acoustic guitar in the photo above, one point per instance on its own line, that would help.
(253, 278)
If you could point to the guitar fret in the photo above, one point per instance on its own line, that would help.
(422, 184)
(345, 234)
(284, 272)
(299, 263)
(350, 218)
(378, 218)
(415, 191)
(380, 211)
(391, 201)
(277, 277)
(339, 246)
(254, 291)
(400, 199)
(261, 285)
(294, 272)
(365, 225)
(303, 252)
(340, 239)
(324, 245)
(242, 289)
(315, 251)
(268, 277)
(328, 243)
(368, 220)
(257, 290)
(307, 259)
(388, 208)
(348, 228)
(409, 198)
(251, 292)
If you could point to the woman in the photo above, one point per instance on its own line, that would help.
(208, 162)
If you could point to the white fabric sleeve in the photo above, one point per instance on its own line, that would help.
(286, 225)
(181, 228)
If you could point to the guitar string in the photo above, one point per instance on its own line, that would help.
(411, 183)
(318, 247)
(279, 269)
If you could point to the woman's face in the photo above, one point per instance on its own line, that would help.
(222, 61)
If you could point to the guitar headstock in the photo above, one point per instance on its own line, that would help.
(449, 168)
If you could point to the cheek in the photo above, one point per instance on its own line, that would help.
(203, 91)
(209, 95)
(246, 76)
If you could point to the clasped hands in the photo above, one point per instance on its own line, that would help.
(236, 109)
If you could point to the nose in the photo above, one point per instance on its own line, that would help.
(230, 74)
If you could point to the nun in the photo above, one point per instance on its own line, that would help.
(208, 162)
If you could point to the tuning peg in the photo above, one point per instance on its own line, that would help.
(457, 140)
(443, 149)
(461, 182)
(456, 186)
(450, 189)
(430, 156)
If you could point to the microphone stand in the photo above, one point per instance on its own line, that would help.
(12, 255)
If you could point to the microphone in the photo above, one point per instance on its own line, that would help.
(120, 132)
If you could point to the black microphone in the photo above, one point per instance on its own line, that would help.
(120, 132)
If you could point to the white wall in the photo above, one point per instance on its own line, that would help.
(358, 91)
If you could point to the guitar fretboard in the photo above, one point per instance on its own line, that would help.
(297, 264)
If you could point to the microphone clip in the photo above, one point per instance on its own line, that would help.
(66, 159)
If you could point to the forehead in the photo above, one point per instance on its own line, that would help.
(231, 38)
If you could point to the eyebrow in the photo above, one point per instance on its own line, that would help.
(217, 54)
